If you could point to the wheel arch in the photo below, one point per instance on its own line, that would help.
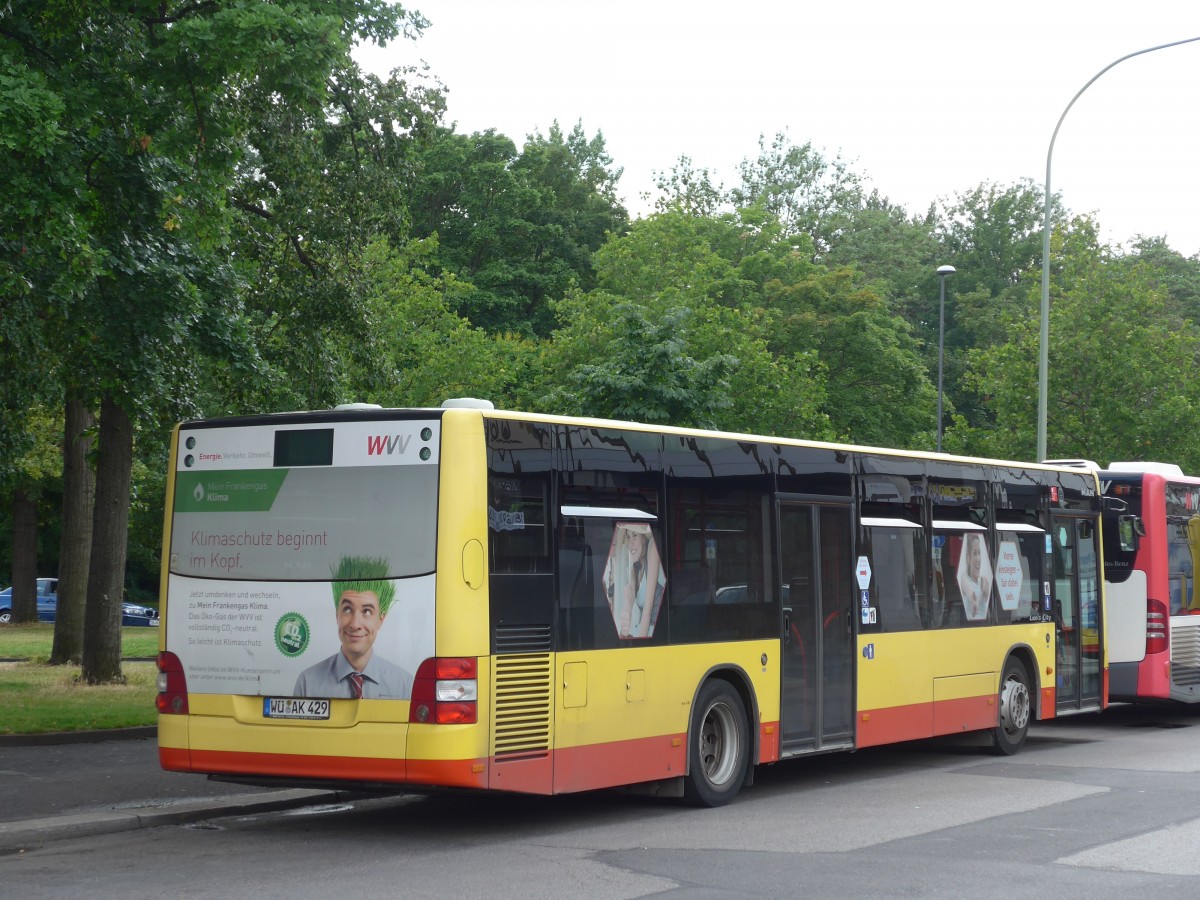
(735, 676)
(1027, 656)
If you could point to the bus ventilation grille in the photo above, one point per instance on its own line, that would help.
(522, 706)
(523, 639)
(1185, 655)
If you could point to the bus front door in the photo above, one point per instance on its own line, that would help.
(817, 696)
(1078, 629)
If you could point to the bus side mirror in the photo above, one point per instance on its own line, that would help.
(1129, 529)
(1113, 504)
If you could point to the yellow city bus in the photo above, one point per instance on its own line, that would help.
(463, 597)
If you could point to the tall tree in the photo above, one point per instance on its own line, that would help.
(31, 481)
(801, 190)
(316, 187)
(992, 235)
(154, 100)
(79, 493)
(1121, 365)
(674, 316)
(519, 227)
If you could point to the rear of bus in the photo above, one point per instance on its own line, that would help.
(1152, 542)
(297, 541)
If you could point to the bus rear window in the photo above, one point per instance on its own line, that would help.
(295, 524)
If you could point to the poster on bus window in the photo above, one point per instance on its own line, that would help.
(634, 580)
(974, 577)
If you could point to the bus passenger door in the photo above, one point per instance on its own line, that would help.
(1078, 629)
(817, 694)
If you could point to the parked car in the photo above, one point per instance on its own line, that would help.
(47, 599)
(47, 606)
(133, 614)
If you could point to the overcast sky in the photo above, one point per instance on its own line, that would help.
(926, 98)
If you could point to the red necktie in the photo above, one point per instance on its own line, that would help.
(356, 685)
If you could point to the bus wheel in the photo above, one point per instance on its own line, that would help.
(1016, 708)
(718, 746)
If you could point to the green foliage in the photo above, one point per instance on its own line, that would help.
(801, 191)
(519, 227)
(1121, 365)
(677, 334)
(420, 351)
(892, 252)
(317, 187)
(689, 190)
(641, 371)
(876, 386)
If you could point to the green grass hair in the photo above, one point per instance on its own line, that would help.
(364, 573)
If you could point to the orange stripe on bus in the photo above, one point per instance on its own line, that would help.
(916, 721)
(468, 773)
(1049, 702)
(586, 768)
(768, 742)
(896, 723)
(964, 714)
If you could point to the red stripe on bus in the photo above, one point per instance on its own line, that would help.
(768, 742)
(916, 721)
(887, 725)
(1049, 702)
(174, 759)
(466, 773)
(567, 770)
(964, 714)
(593, 766)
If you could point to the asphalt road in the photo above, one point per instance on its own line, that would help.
(86, 776)
(1098, 807)
(1095, 807)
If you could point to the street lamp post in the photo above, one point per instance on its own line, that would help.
(942, 272)
(1044, 331)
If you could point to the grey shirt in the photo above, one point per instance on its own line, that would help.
(331, 678)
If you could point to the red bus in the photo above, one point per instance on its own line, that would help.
(1151, 544)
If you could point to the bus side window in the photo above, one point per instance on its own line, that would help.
(898, 578)
(517, 525)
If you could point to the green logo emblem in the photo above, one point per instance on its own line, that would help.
(291, 634)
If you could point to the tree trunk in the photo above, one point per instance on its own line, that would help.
(110, 527)
(79, 494)
(24, 565)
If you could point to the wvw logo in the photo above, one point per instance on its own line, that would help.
(379, 444)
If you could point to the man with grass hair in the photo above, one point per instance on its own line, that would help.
(362, 595)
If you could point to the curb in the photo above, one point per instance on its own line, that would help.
(78, 737)
(26, 834)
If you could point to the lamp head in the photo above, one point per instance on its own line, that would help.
(945, 270)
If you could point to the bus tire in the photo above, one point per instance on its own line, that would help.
(718, 746)
(1016, 709)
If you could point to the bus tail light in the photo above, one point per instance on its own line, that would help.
(1156, 627)
(172, 685)
(445, 692)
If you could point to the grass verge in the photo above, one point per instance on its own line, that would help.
(39, 699)
(34, 642)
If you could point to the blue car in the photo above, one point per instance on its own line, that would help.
(47, 606)
(47, 601)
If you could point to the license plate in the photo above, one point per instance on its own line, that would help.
(153, 622)
(294, 708)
